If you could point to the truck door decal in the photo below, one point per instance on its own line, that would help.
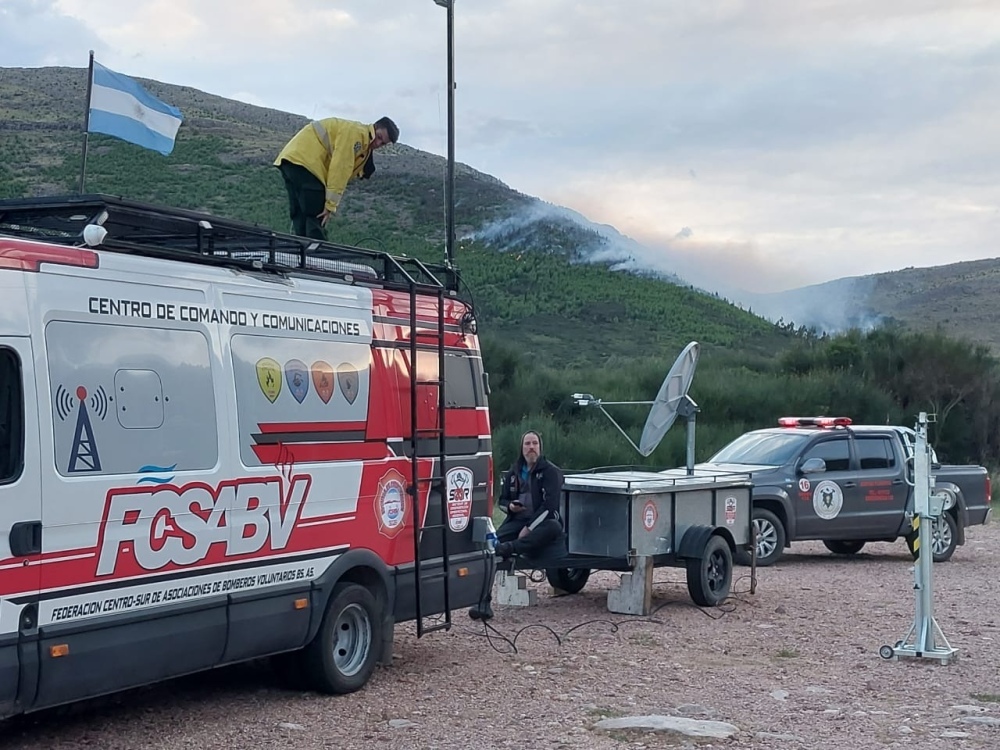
(828, 499)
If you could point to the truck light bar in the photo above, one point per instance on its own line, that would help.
(814, 422)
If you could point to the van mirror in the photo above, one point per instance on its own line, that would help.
(813, 466)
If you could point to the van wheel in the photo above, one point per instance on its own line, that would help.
(769, 533)
(944, 538)
(570, 580)
(343, 655)
(840, 547)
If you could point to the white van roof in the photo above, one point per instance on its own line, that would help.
(143, 229)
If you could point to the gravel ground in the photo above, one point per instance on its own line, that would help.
(794, 665)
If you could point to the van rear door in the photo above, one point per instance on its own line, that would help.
(20, 524)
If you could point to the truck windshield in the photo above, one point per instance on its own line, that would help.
(763, 448)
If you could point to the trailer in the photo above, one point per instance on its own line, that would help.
(634, 520)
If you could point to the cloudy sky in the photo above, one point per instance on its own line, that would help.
(767, 144)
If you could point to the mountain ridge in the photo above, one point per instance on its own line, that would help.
(234, 142)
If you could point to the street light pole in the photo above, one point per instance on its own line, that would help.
(450, 188)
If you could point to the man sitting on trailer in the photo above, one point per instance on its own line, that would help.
(319, 161)
(529, 495)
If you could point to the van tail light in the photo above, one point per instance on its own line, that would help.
(989, 490)
(29, 256)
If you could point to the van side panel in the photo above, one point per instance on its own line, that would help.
(130, 651)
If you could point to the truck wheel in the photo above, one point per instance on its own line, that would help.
(709, 578)
(343, 655)
(770, 534)
(944, 538)
(570, 580)
(839, 547)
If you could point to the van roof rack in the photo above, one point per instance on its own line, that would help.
(165, 232)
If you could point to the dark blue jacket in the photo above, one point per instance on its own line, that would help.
(545, 480)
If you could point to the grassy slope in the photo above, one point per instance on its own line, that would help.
(222, 164)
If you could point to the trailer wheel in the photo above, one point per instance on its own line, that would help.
(570, 580)
(840, 547)
(343, 655)
(709, 577)
(944, 537)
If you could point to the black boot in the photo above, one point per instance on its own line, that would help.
(482, 611)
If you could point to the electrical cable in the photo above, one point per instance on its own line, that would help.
(492, 634)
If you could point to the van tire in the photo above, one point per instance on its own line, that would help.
(344, 653)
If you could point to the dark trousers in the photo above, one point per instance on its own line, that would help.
(306, 200)
(535, 542)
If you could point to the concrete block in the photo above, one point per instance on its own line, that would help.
(512, 590)
(635, 595)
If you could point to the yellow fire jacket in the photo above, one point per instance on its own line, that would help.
(333, 150)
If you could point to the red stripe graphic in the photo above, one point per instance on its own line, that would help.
(268, 427)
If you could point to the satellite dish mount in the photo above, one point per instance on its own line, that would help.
(671, 401)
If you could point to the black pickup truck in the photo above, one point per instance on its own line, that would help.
(822, 478)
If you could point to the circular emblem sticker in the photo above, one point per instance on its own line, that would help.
(390, 503)
(804, 485)
(649, 515)
(828, 499)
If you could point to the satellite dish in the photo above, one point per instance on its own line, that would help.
(671, 402)
(671, 395)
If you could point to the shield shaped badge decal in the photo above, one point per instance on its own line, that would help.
(298, 378)
(322, 375)
(269, 377)
(347, 376)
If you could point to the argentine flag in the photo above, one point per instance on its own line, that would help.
(122, 108)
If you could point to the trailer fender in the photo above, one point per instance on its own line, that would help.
(695, 539)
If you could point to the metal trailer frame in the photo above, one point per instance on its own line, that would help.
(669, 519)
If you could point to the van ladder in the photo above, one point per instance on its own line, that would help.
(421, 440)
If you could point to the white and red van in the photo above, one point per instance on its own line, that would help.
(218, 443)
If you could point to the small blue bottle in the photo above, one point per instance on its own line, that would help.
(491, 535)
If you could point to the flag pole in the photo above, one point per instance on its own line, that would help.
(86, 122)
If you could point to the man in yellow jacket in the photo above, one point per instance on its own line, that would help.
(319, 161)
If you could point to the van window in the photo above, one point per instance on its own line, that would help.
(131, 400)
(836, 454)
(875, 453)
(462, 374)
(11, 417)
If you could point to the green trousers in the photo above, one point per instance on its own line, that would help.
(306, 199)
